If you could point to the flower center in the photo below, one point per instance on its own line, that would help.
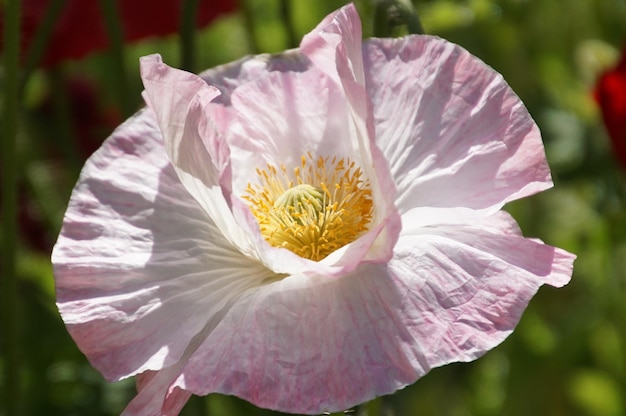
(321, 206)
(301, 202)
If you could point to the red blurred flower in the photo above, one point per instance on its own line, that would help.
(31, 226)
(30, 223)
(80, 28)
(610, 93)
(90, 119)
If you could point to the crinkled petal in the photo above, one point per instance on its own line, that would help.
(227, 78)
(334, 46)
(284, 116)
(140, 267)
(307, 345)
(454, 133)
(156, 395)
(449, 294)
(467, 285)
(197, 151)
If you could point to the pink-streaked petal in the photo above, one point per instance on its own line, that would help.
(466, 286)
(308, 344)
(334, 46)
(284, 116)
(139, 266)
(454, 133)
(156, 395)
(500, 237)
(173, 105)
(227, 78)
(449, 295)
(417, 218)
(197, 151)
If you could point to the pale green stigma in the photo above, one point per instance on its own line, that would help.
(303, 199)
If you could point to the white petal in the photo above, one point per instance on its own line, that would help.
(198, 152)
(453, 131)
(308, 345)
(334, 47)
(466, 285)
(140, 267)
(284, 116)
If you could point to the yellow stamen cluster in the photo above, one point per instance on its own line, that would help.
(321, 206)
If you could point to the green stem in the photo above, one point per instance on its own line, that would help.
(285, 11)
(386, 407)
(248, 20)
(40, 39)
(390, 14)
(360, 410)
(382, 28)
(188, 35)
(63, 123)
(411, 19)
(116, 40)
(9, 208)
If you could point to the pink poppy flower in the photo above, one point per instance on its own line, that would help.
(306, 230)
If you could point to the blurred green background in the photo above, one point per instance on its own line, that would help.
(567, 356)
